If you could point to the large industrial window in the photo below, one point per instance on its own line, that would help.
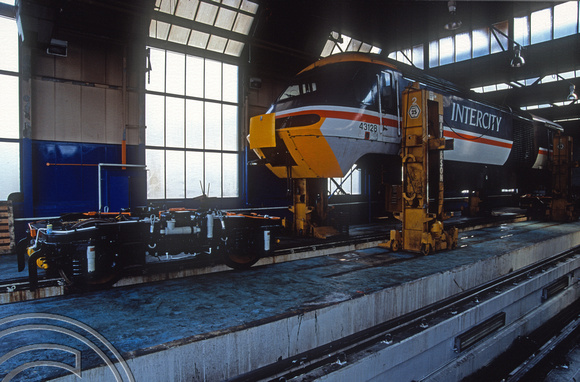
(558, 21)
(338, 43)
(480, 42)
(462, 47)
(9, 109)
(522, 30)
(192, 105)
(541, 26)
(219, 27)
(446, 50)
(412, 56)
(467, 45)
(555, 22)
(350, 184)
(566, 19)
(547, 24)
(192, 126)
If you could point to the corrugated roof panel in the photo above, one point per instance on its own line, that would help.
(179, 34)
(186, 9)
(198, 39)
(206, 13)
(159, 30)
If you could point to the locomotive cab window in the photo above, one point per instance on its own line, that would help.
(386, 92)
(369, 86)
(291, 91)
(365, 88)
(307, 88)
(297, 90)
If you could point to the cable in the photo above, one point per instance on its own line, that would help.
(460, 135)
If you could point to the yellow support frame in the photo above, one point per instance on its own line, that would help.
(422, 145)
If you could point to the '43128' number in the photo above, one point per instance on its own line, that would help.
(369, 127)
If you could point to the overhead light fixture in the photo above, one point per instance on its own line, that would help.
(518, 61)
(572, 96)
(454, 22)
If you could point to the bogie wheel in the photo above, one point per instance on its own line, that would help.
(242, 250)
(425, 249)
(108, 271)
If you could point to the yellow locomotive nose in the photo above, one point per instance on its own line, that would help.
(301, 147)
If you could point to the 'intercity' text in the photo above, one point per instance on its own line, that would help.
(473, 117)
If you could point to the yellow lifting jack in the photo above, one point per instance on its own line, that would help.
(422, 146)
(561, 204)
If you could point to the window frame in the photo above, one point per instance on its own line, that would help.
(191, 147)
(10, 134)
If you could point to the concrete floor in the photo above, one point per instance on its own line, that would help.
(569, 368)
(151, 317)
(9, 268)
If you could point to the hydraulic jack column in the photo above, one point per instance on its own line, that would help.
(422, 145)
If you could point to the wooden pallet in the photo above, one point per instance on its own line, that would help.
(6, 227)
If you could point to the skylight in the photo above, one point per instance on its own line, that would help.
(412, 56)
(218, 25)
(338, 43)
(529, 81)
(492, 88)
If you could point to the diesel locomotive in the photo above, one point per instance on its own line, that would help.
(346, 107)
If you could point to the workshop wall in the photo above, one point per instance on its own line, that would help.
(81, 107)
(79, 98)
(263, 189)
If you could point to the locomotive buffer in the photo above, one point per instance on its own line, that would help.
(422, 145)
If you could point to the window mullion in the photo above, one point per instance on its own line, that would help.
(210, 164)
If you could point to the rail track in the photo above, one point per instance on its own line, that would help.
(19, 289)
(323, 360)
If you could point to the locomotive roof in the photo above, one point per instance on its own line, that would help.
(419, 75)
(350, 57)
(406, 70)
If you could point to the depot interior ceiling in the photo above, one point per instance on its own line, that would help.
(288, 35)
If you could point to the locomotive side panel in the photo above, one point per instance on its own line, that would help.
(482, 134)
